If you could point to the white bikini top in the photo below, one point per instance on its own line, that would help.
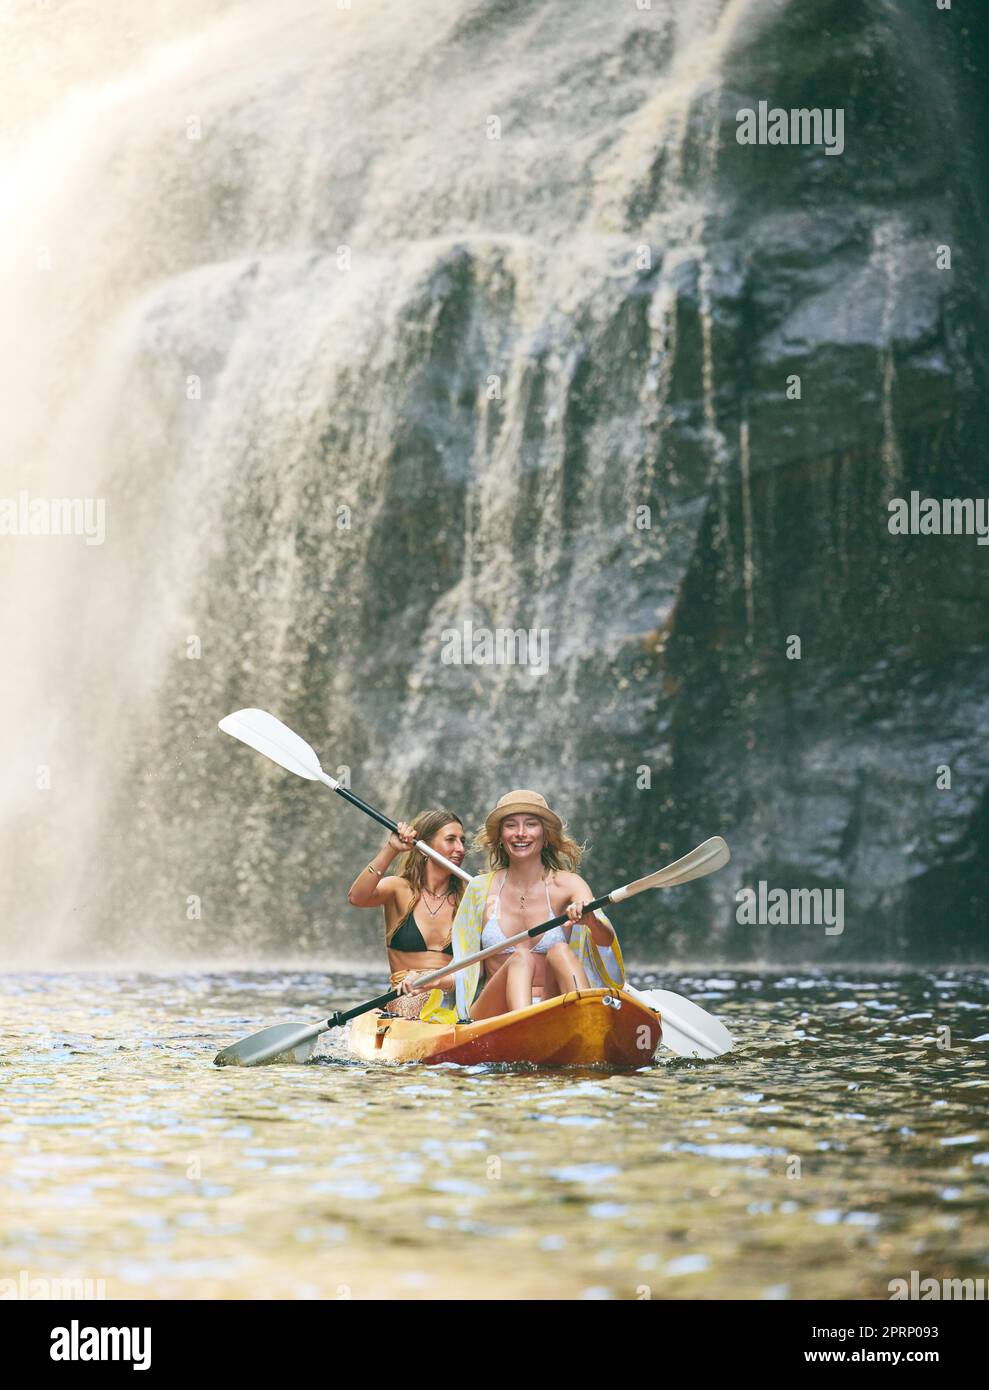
(493, 934)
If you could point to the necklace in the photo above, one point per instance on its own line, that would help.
(522, 892)
(439, 907)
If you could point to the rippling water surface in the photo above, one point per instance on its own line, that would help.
(840, 1146)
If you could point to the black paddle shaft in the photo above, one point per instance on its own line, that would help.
(337, 1020)
(368, 810)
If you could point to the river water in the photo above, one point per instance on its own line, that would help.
(841, 1145)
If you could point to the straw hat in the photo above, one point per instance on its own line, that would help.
(520, 803)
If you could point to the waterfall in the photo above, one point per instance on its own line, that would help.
(366, 321)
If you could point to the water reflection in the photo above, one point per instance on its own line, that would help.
(840, 1146)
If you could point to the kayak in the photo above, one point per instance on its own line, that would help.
(577, 1029)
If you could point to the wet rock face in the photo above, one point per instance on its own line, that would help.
(831, 769)
(613, 379)
(860, 763)
(863, 763)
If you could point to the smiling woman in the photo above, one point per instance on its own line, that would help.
(533, 879)
(419, 902)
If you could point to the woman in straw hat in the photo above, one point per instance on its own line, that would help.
(533, 878)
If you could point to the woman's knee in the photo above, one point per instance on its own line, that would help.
(522, 963)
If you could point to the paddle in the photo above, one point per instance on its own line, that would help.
(275, 740)
(285, 1039)
(688, 1030)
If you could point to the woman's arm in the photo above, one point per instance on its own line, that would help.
(602, 933)
(371, 888)
(408, 983)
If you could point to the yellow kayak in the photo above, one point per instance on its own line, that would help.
(577, 1029)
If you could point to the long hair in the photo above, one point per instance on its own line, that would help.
(559, 851)
(412, 866)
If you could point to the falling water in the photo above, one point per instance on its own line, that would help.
(277, 263)
(340, 311)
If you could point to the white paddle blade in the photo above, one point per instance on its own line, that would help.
(707, 858)
(275, 740)
(286, 1042)
(688, 1030)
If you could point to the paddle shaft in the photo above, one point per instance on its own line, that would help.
(338, 1019)
(391, 825)
(273, 1042)
(698, 862)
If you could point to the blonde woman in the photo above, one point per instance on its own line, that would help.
(419, 902)
(533, 878)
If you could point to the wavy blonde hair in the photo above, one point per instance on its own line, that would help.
(559, 851)
(412, 866)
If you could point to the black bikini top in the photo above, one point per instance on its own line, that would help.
(408, 937)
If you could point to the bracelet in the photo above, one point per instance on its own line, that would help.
(372, 870)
